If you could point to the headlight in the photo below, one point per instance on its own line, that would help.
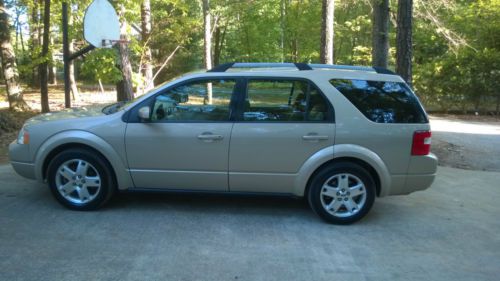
(23, 137)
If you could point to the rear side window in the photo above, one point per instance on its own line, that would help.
(285, 101)
(382, 102)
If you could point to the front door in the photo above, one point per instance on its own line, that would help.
(283, 123)
(185, 145)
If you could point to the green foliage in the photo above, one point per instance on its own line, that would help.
(456, 43)
(462, 78)
(101, 64)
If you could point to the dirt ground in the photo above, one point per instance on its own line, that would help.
(87, 96)
(472, 143)
(11, 122)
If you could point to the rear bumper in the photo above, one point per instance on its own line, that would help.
(421, 175)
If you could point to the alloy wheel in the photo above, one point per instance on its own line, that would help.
(78, 181)
(343, 195)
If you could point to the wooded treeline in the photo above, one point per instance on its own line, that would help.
(448, 50)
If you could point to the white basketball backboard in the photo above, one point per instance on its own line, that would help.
(101, 26)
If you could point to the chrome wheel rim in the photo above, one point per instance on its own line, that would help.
(343, 195)
(78, 181)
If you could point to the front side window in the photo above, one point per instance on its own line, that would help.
(382, 102)
(207, 100)
(284, 100)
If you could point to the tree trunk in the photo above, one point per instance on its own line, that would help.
(498, 105)
(44, 89)
(404, 44)
(147, 62)
(125, 66)
(52, 67)
(35, 42)
(72, 80)
(327, 34)
(219, 43)
(282, 29)
(380, 33)
(121, 93)
(9, 66)
(207, 18)
(21, 37)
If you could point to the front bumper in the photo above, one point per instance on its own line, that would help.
(26, 170)
(20, 160)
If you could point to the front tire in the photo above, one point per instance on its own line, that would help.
(342, 193)
(80, 179)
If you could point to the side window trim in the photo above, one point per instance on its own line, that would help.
(311, 86)
(132, 114)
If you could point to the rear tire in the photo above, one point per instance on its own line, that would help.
(80, 179)
(341, 193)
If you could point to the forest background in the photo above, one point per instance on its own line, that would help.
(448, 50)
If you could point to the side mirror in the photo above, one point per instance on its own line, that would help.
(144, 113)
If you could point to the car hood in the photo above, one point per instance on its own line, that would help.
(69, 113)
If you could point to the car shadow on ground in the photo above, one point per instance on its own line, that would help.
(221, 204)
(208, 203)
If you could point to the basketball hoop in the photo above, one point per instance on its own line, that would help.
(101, 27)
(108, 43)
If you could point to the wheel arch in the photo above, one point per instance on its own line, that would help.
(344, 152)
(74, 145)
(85, 140)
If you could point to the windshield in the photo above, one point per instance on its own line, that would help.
(117, 106)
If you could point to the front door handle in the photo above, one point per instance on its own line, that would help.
(314, 137)
(209, 137)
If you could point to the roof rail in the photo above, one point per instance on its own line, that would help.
(299, 66)
(225, 66)
(342, 67)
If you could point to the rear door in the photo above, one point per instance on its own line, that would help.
(186, 143)
(282, 122)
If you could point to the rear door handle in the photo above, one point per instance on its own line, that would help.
(209, 137)
(314, 137)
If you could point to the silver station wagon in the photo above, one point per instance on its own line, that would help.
(337, 135)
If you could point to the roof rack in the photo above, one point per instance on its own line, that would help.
(226, 66)
(299, 66)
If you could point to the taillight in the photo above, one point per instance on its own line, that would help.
(421, 143)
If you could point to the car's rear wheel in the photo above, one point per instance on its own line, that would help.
(342, 193)
(80, 179)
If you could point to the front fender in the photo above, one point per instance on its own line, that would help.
(342, 151)
(123, 177)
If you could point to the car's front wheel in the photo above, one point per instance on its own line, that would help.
(80, 179)
(342, 193)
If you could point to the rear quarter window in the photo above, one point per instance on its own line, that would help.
(381, 101)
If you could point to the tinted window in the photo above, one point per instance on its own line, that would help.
(196, 101)
(382, 102)
(284, 100)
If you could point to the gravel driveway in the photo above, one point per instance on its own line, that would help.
(466, 144)
(449, 232)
